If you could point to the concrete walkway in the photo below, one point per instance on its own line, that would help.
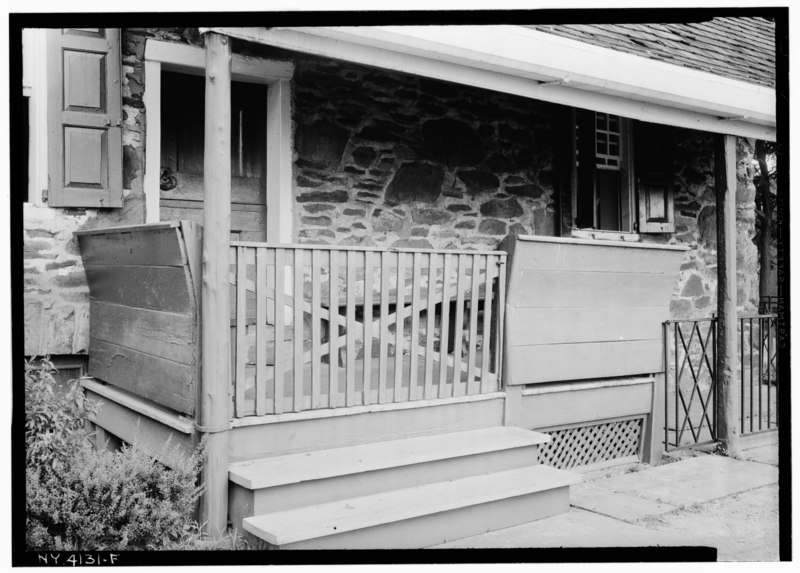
(704, 500)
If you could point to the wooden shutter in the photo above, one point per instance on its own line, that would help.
(84, 118)
(585, 206)
(653, 168)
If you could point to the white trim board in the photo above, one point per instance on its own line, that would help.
(447, 54)
(276, 75)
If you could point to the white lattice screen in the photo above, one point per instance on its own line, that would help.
(591, 444)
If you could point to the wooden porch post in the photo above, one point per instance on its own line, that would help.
(215, 394)
(727, 327)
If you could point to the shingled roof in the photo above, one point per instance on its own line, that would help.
(737, 48)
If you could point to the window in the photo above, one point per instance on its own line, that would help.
(623, 172)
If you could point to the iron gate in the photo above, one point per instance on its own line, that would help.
(690, 353)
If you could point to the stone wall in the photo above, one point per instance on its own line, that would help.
(391, 159)
(695, 226)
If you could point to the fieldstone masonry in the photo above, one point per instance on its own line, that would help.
(389, 159)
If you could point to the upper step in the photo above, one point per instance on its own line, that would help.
(297, 468)
(293, 526)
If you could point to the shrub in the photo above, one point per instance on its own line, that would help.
(112, 501)
(55, 422)
(79, 498)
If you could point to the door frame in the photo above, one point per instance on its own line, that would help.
(276, 75)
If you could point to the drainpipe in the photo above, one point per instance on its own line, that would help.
(727, 402)
(215, 393)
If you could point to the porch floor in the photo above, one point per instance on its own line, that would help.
(703, 500)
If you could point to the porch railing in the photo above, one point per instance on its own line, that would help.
(318, 326)
(690, 348)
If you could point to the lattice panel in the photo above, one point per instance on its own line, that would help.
(587, 445)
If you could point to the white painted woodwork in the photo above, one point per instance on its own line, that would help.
(308, 430)
(359, 513)
(579, 309)
(585, 402)
(282, 470)
(520, 61)
(292, 481)
(349, 306)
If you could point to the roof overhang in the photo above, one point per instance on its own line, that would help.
(530, 63)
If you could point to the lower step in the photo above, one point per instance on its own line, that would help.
(420, 516)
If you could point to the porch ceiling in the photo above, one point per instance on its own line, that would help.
(542, 66)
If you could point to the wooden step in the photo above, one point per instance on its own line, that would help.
(420, 516)
(295, 468)
(295, 480)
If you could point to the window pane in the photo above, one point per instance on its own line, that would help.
(601, 121)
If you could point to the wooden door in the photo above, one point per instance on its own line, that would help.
(182, 141)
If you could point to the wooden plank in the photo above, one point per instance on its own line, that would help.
(333, 332)
(350, 389)
(164, 443)
(593, 257)
(187, 204)
(473, 325)
(458, 326)
(240, 220)
(165, 334)
(334, 428)
(216, 364)
(316, 333)
(291, 469)
(241, 314)
(368, 282)
(727, 399)
(399, 333)
(156, 288)
(289, 526)
(280, 349)
(557, 362)
(499, 339)
(146, 247)
(298, 330)
(137, 404)
(445, 324)
(383, 353)
(550, 409)
(430, 304)
(488, 303)
(535, 289)
(163, 381)
(529, 326)
(244, 190)
(416, 308)
(261, 331)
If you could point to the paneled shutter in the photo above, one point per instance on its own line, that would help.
(653, 168)
(84, 118)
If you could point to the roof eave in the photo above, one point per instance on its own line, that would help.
(542, 66)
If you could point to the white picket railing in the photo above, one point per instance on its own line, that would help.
(303, 341)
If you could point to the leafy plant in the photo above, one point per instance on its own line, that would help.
(79, 498)
(55, 422)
